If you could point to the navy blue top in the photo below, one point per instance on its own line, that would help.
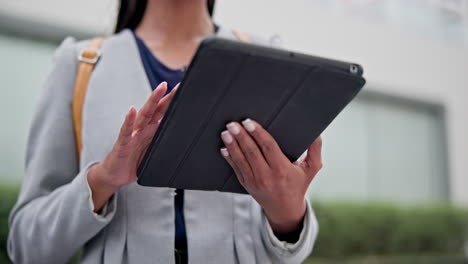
(157, 73)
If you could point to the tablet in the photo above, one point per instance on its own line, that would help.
(293, 96)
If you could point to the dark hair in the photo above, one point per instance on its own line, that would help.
(131, 12)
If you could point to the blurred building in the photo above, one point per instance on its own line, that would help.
(403, 139)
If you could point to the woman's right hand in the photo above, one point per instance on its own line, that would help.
(120, 165)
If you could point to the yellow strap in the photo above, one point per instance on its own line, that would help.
(88, 58)
(242, 36)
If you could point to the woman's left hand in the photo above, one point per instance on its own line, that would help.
(276, 183)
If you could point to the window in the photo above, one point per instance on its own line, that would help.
(385, 148)
(442, 19)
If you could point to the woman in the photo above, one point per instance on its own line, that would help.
(96, 204)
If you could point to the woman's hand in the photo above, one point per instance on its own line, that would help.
(278, 185)
(120, 165)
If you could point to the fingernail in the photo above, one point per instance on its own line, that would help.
(162, 84)
(224, 152)
(233, 128)
(226, 137)
(249, 125)
(130, 110)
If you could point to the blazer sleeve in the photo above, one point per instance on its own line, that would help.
(53, 217)
(291, 253)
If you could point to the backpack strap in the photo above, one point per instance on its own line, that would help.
(242, 36)
(88, 59)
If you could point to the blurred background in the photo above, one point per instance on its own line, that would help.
(394, 188)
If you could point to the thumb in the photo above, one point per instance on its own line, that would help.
(311, 160)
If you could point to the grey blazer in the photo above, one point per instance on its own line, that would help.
(53, 216)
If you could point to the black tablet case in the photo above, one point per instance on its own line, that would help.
(294, 96)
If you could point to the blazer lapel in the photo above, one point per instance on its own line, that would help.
(118, 82)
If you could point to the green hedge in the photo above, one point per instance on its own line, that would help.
(355, 230)
(8, 196)
(350, 229)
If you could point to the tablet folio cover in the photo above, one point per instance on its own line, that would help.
(294, 96)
